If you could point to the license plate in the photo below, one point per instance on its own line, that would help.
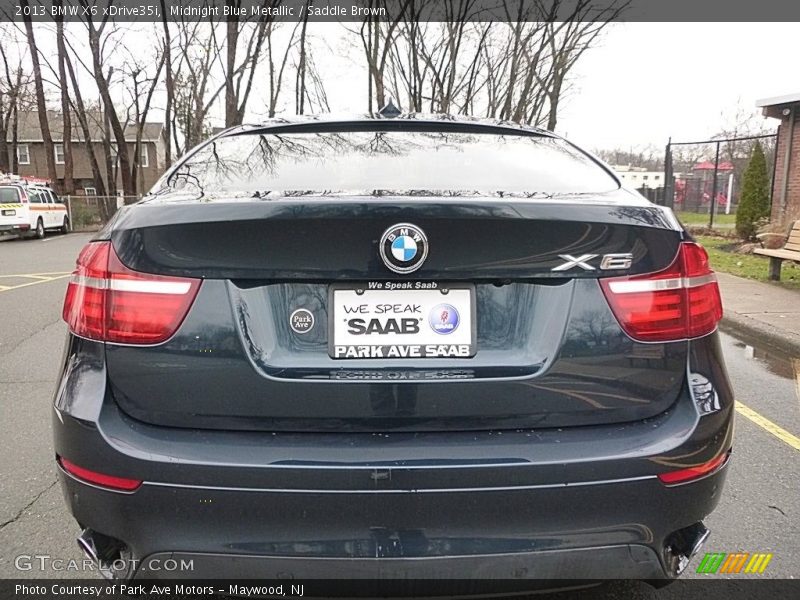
(398, 320)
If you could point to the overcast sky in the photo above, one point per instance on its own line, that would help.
(649, 81)
(645, 82)
(642, 83)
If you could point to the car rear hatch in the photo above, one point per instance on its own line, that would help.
(544, 348)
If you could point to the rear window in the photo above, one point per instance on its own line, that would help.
(388, 162)
(9, 195)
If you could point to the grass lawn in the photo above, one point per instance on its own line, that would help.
(692, 218)
(722, 257)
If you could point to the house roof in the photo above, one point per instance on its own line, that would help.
(779, 107)
(778, 100)
(709, 166)
(29, 130)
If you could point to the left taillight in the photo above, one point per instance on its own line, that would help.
(109, 302)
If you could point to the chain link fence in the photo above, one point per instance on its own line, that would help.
(704, 178)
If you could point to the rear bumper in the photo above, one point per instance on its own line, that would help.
(603, 531)
(624, 561)
(15, 227)
(583, 504)
(572, 503)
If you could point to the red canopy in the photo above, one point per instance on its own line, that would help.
(709, 166)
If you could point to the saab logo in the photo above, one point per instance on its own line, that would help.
(362, 327)
(609, 262)
(738, 562)
(444, 318)
(403, 248)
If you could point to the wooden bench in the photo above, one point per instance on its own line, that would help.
(790, 251)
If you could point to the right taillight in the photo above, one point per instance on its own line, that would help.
(109, 302)
(680, 302)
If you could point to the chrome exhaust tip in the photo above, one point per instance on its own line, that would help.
(683, 544)
(86, 543)
(103, 551)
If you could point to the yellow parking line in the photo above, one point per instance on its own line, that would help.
(769, 426)
(37, 282)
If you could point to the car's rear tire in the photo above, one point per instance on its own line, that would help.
(65, 226)
(39, 232)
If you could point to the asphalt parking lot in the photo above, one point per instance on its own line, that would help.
(759, 511)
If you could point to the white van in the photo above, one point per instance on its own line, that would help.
(30, 210)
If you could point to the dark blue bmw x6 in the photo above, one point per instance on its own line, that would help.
(404, 347)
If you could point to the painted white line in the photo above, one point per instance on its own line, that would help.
(37, 282)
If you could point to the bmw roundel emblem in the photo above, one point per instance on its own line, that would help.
(403, 248)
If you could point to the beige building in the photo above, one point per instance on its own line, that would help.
(639, 177)
(33, 161)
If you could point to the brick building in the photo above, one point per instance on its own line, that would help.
(786, 182)
(32, 159)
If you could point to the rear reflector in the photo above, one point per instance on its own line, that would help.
(697, 472)
(680, 302)
(109, 302)
(101, 479)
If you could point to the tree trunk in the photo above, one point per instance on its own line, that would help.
(4, 121)
(301, 66)
(15, 129)
(170, 89)
(111, 173)
(80, 112)
(128, 187)
(231, 105)
(555, 94)
(40, 99)
(69, 185)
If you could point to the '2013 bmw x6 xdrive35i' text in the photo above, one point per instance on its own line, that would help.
(402, 347)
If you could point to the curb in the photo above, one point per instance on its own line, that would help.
(761, 333)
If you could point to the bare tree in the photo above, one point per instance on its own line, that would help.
(41, 103)
(170, 87)
(79, 108)
(568, 41)
(276, 71)
(195, 89)
(69, 186)
(300, 79)
(378, 39)
(649, 157)
(515, 69)
(239, 78)
(316, 94)
(97, 37)
(14, 96)
(141, 88)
